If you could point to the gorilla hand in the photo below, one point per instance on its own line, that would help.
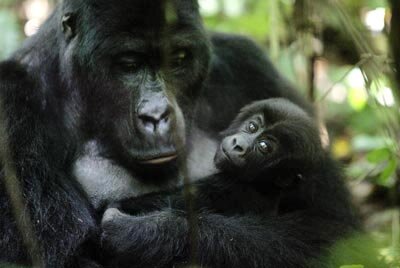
(138, 238)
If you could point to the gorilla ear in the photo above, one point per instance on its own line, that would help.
(68, 23)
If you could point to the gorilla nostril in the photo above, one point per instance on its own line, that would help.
(234, 141)
(155, 116)
(238, 145)
(165, 116)
(148, 120)
(238, 148)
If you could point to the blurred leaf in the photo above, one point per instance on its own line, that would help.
(341, 147)
(359, 169)
(390, 169)
(10, 35)
(285, 65)
(360, 248)
(275, 22)
(390, 255)
(253, 22)
(363, 143)
(171, 13)
(379, 155)
(358, 98)
(376, 3)
(366, 121)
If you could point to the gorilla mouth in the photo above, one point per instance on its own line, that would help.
(226, 155)
(160, 159)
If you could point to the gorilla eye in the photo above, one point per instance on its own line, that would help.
(264, 146)
(252, 127)
(129, 63)
(180, 57)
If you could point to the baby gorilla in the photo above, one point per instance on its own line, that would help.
(271, 163)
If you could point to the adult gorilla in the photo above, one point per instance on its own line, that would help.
(106, 80)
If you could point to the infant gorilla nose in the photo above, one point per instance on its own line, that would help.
(232, 152)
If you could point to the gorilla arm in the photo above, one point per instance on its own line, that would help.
(162, 238)
(61, 217)
(291, 239)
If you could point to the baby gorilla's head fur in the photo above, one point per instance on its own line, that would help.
(269, 134)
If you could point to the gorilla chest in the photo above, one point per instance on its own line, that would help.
(201, 152)
(104, 181)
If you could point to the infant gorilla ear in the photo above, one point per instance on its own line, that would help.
(267, 134)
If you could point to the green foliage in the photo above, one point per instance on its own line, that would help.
(10, 36)
(391, 255)
(387, 172)
(386, 158)
(254, 22)
(6, 2)
(379, 155)
(376, 3)
(355, 252)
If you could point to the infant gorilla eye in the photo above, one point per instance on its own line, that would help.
(265, 146)
(252, 127)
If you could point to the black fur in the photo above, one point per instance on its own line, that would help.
(69, 85)
(282, 208)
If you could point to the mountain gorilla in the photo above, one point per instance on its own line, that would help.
(272, 169)
(93, 109)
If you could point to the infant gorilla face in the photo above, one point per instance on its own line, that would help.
(273, 133)
(250, 147)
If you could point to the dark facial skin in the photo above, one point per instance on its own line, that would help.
(250, 143)
(139, 72)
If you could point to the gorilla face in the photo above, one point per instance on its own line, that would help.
(137, 72)
(252, 146)
(269, 134)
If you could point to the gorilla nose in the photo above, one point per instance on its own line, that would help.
(155, 116)
(236, 146)
(234, 149)
(239, 146)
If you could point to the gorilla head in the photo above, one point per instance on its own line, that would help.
(271, 134)
(135, 65)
